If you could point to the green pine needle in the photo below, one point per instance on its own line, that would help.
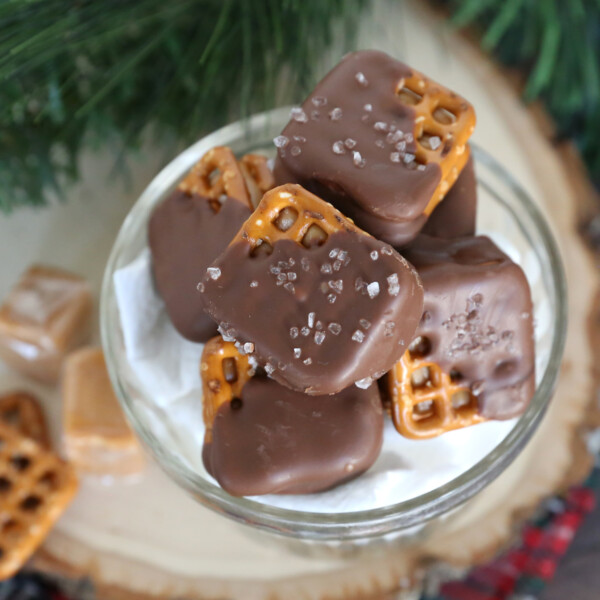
(85, 73)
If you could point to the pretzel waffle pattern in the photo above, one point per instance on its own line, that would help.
(35, 488)
(444, 124)
(426, 401)
(257, 175)
(215, 175)
(224, 372)
(21, 411)
(289, 212)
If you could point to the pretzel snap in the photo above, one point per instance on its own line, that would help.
(443, 125)
(21, 411)
(224, 371)
(35, 488)
(289, 212)
(215, 175)
(257, 175)
(426, 401)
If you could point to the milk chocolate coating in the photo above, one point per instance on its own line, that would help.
(283, 442)
(185, 235)
(478, 319)
(312, 321)
(384, 188)
(456, 215)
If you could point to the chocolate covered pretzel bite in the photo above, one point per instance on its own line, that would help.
(194, 225)
(379, 140)
(260, 436)
(472, 358)
(322, 304)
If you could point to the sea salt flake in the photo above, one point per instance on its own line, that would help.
(368, 107)
(358, 160)
(293, 332)
(254, 284)
(333, 253)
(365, 324)
(275, 270)
(299, 138)
(281, 141)
(326, 269)
(401, 146)
(349, 143)
(298, 115)
(408, 158)
(334, 328)
(307, 361)
(305, 331)
(393, 137)
(388, 328)
(281, 278)
(269, 368)
(373, 289)
(200, 287)
(409, 138)
(363, 384)
(435, 142)
(319, 337)
(386, 250)
(248, 347)
(374, 255)
(319, 325)
(338, 147)
(335, 114)
(395, 157)
(295, 150)
(393, 285)
(319, 101)
(297, 352)
(292, 276)
(380, 126)
(290, 287)
(337, 265)
(379, 143)
(358, 336)
(311, 319)
(331, 298)
(305, 264)
(314, 115)
(214, 272)
(337, 285)
(361, 79)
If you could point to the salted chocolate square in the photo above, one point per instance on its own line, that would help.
(189, 229)
(318, 302)
(260, 436)
(456, 215)
(378, 140)
(473, 355)
(97, 438)
(46, 315)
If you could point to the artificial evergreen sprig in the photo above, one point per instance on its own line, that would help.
(77, 71)
(557, 45)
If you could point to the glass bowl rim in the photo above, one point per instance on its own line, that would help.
(346, 525)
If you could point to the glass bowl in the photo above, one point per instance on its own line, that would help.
(505, 213)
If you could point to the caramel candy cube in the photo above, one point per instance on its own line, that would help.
(322, 304)
(45, 316)
(380, 141)
(97, 437)
(35, 489)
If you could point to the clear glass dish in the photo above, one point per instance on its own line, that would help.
(505, 213)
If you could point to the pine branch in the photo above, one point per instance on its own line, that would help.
(77, 71)
(557, 45)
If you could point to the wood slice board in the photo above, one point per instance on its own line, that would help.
(148, 539)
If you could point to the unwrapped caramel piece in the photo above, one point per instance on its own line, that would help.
(98, 439)
(35, 488)
(45, 316)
